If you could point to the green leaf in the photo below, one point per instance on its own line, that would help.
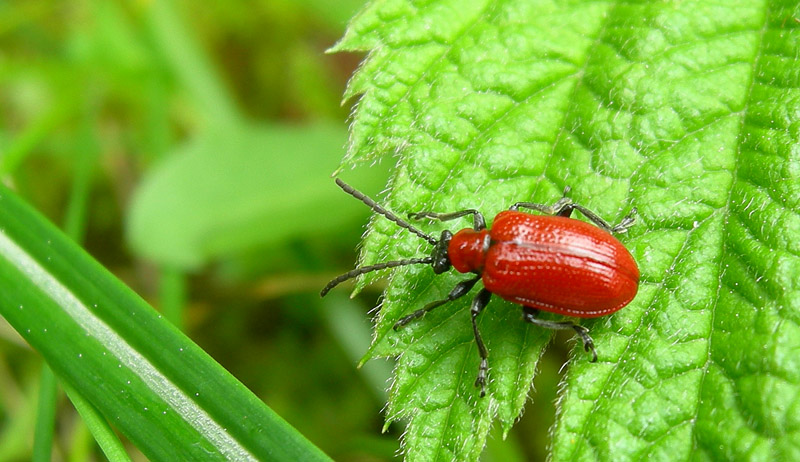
(237, 189)
(688, 111)
(148, 380)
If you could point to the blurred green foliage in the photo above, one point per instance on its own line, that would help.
(189, 146)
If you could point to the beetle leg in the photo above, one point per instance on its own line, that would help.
(479, 223)
(593, 217)
(564, 207)
(461, 289)
(546, 209)
(619, 228)
(478, 304)
(529, 315)
(626, 222)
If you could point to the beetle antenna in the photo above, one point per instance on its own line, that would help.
(366, 269)
(376, 207)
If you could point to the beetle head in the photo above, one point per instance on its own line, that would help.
(441, 259)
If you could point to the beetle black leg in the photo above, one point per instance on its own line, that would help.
(478, 221)
(621, 227)
(564, 207)
(546, 209)
(478, 304)
(627, 222)
(529, 315)
(461, 289)
(593, 217)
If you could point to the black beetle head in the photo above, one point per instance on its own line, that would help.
(441, 260)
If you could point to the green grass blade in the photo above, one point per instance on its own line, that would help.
(105, 437)
(146, 378)
(45, 416)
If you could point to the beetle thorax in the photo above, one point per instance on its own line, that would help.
(468, 249)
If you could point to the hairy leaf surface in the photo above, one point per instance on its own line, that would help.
(686, 110)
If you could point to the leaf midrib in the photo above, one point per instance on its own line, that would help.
(704, 370)
(726, 220)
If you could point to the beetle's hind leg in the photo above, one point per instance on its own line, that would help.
(529, 315)
(564, 208)
(626, 222)
(621, 227)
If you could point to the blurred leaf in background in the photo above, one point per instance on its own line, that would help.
(235, 189)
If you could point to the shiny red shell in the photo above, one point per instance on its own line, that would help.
(550, 263)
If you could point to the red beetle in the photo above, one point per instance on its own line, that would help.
(543, 262)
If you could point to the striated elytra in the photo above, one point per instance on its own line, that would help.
(551, 263)
(548, 262)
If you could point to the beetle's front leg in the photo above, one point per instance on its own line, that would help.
(461, 289)
(478, 222)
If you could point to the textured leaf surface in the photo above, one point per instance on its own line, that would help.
(687, 110)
